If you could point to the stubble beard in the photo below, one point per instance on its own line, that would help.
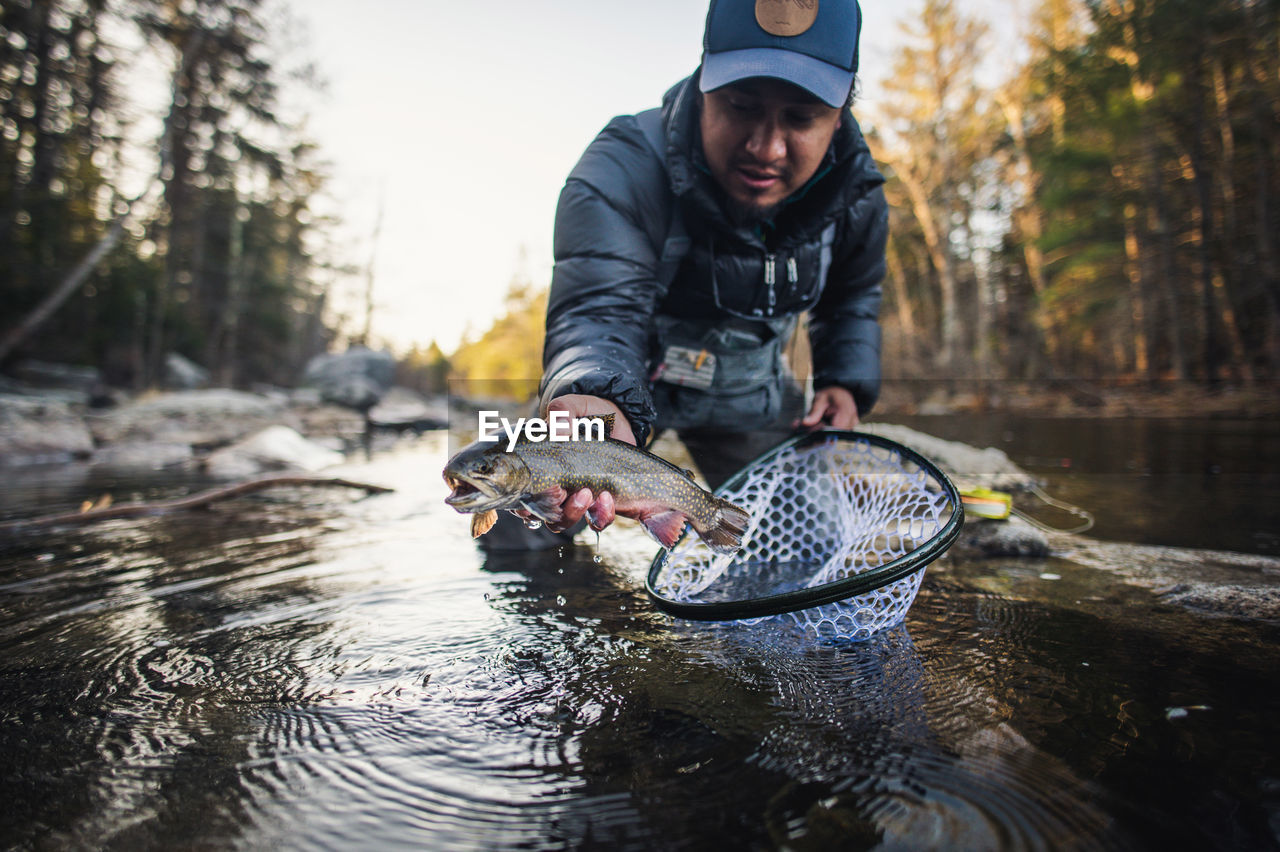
(746, 215)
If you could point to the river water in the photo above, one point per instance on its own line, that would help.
(317, 670)
(1185, 482)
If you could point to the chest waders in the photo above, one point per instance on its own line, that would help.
(725, 374)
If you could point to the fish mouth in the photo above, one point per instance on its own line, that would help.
(469, 494)
(461, 490)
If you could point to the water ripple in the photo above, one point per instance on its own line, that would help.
(357, 675)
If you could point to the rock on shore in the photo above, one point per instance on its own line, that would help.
(274, 448)
(35, 430)
(967, 466)
(201, 418)
(275, 430)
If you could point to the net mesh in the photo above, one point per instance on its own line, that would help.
(819, 513)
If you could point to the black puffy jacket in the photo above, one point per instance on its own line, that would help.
(612, 221)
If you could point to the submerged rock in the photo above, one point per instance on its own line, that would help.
(1235, 601)
(1217, 582)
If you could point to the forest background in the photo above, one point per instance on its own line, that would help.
(1106, 211)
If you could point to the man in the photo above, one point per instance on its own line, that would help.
(686, 249)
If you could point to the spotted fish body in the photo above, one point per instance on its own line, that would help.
(538, 476)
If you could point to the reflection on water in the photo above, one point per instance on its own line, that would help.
(1182, 482)
(315, 671)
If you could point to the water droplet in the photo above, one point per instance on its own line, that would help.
(597, 559)
(533, 524)
(486, 596)
(561, 600)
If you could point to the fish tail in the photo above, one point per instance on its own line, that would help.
(728, 526)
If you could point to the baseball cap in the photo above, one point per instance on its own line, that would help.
(812, 44)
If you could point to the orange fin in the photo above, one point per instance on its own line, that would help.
(666, 527)
(482, 522)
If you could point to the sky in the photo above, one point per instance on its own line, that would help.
(454, 124)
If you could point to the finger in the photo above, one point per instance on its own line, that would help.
(817, 411)
(574, 508)
(848, 411)
(845, 419)
(622, 430)
(567, 404)
(601, 513)
(842, 413)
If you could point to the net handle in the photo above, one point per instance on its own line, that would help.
(858, 584)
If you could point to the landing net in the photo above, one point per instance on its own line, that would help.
(842, 526)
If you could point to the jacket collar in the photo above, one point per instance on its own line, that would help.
(847, 172)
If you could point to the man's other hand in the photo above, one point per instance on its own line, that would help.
(833, 407)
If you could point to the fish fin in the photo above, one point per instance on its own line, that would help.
(729, 524)
(547, 505)
(665, 527)
(482, 522)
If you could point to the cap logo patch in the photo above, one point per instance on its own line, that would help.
(786, 17)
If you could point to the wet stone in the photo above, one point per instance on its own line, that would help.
(1011, 537)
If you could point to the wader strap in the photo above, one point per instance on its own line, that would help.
(677, 243)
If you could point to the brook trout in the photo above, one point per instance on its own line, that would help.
(538, 476)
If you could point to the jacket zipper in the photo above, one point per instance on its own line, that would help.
(770, 278)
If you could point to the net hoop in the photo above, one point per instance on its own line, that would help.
(834, 591)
